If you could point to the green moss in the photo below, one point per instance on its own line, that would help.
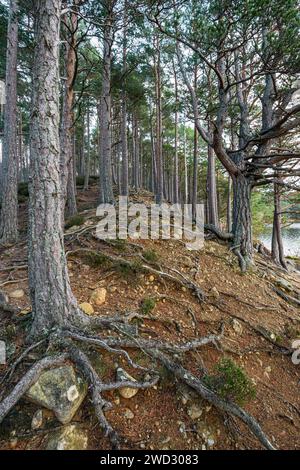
(128, 270)
(97, 259)
(147, 305)
(75, 220)
(151, 256)
(230, 382)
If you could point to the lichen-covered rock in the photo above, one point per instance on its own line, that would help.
(126, 392)
(59, 390)
(98, 297)
(195, 410)
(87, 308)
(70, 437)
(17, 294)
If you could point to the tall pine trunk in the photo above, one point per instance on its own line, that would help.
(53, 303)
(124, 178)
(9, 194)
(277, 243)
(159, 187)
(106, 188)
(66, 133)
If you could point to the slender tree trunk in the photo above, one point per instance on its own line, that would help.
(53, 303)
(229, 205)
(87, 165)
(71, 204)
(186, 187)
(195, 174)
(212, 199)
(277, 243)
(66, 133)
(106, 186)
(9, 193)
(176, 175)
(159, 157)
(124, 185)
(136, 153)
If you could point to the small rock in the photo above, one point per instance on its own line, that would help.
(142, 445)
(151, 278)
(195, 411)
(17, 294)
(71, 437)
(87, 308)
(237, 326)
(37, 420)
(128, 414)
(188, 262)
(112, 289)
(59, 390)
(98, 297)
(126, 392)
(210, 442)
(13, 443)
(215, 293)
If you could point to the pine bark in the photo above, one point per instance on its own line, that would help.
(9, 194)
(53, 303)
(159, 187)
(124, 184)
(66, 133)
(106, 187)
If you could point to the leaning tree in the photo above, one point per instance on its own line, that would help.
(58, 325)
(251, 51)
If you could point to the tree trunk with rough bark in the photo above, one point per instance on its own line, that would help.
(159, 187)
(9, 193)
(87, 165)
(106, 185)
(176, 174)
(66, 132)
(53, 303)
(124, 180)
(277, 243)
(241, 224)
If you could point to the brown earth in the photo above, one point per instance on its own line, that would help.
(257, 324)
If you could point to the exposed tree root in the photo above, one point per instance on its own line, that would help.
(65, 340)
(184, 281)
(28, 380)
(194, 382)
(225, 236)
(24, 354)
(287, 298)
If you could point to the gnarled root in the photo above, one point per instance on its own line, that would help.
(157, 350)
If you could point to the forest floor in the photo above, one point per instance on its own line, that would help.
(258, 326)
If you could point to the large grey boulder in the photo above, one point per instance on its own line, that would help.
(59, 390)
(70, 437)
